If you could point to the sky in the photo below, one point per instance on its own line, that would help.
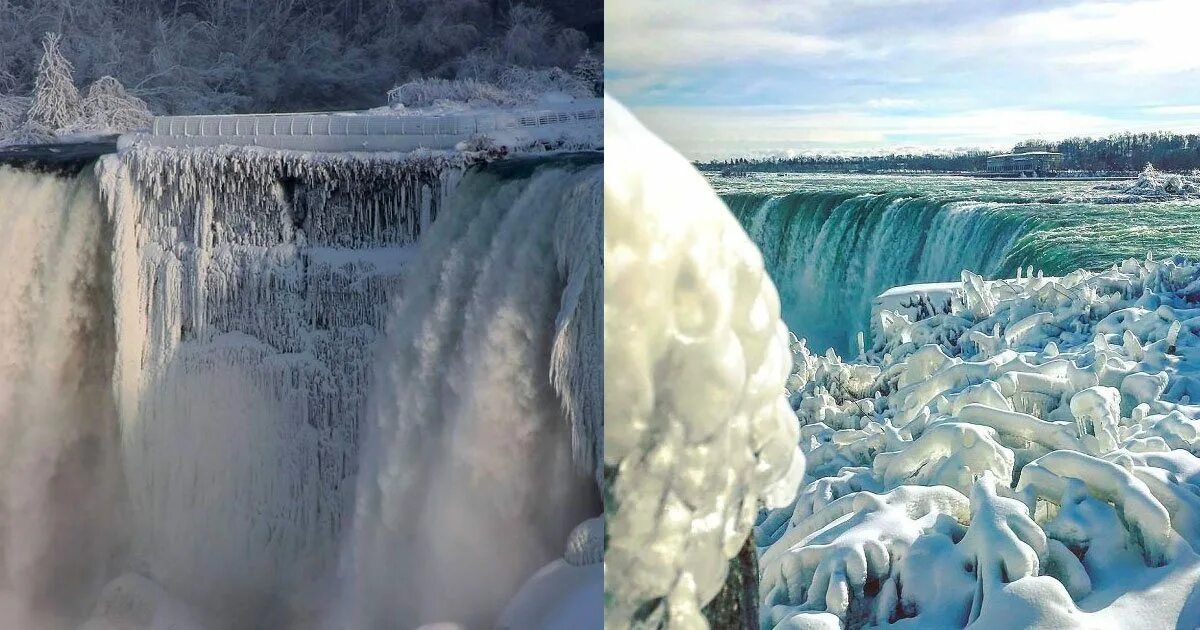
(728, 78)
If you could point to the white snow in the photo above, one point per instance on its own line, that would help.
(695, 359)
(1151, 185)
(1026, 456)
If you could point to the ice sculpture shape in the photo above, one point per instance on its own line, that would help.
(696, 359)
(1053, 416)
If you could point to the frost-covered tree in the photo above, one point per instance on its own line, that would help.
(108, 106)
(289, 55)
(12, 113)
(590, 70)
(56, 103)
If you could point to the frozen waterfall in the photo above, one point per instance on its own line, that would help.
(197, 397)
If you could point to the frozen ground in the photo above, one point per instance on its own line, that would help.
(1025, 454)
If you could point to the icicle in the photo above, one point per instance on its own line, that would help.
(862, 346)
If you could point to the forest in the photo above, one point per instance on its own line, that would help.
(225, 56)
(1122, 152)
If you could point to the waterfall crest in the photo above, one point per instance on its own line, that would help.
(831, 253)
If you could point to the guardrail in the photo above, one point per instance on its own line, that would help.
(348, 132)
(359, 124)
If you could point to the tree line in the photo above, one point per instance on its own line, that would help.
(221, 56)
(1122, 152)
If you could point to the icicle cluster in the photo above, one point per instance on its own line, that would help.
(1027, 458)
(250, 290)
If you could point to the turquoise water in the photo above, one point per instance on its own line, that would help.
(833, 242)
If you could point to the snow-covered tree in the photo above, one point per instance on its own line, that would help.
(12, 113)
(108, 106)
(590, 70)
(56, 103)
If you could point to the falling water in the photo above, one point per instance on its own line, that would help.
(59, 531)
(832, 243)
(489, 377)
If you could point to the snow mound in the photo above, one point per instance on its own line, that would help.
(695, 362)
(1027, 456)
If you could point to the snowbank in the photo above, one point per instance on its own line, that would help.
(695, 359)
(1025, 454)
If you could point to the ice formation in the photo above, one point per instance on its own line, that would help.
(1027, 456)
(193, 348)
(1151, 185)
(695, 360)
(248, 289)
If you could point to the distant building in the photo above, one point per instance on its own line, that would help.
(1030, 164)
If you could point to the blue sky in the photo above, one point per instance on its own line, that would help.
(720, 78)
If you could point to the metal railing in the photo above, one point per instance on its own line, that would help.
(359, 125)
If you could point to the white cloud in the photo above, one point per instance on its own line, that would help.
(701, 133)
(658, 34)
(1174, 110)
(893, 103)
(933, 72)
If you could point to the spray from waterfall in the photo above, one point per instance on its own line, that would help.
(60, 490)
(484, 432)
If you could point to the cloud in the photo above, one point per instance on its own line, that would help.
(1175, 110)
(714, 132)
(893, 103)
(659, 34)
(857, 73)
